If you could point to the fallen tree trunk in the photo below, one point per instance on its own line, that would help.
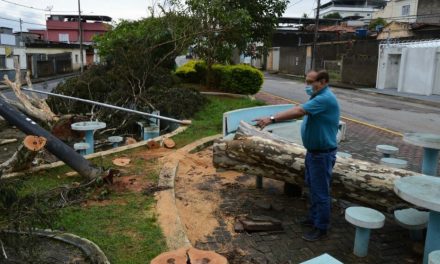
(189, 255)
(23, 157)
(263, 154)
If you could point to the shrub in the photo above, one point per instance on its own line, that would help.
(194, 71)
(240, 79)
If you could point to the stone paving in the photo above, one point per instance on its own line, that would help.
(390, 244)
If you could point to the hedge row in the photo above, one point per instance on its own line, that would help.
(240, 79)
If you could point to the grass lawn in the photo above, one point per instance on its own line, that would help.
(122, 222)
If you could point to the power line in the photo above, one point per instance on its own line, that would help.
(34, 8)
(292, 4)
(33, 23)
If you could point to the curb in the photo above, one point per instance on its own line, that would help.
(89, 248)
(168, 216)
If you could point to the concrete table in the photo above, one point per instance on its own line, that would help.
(423, 191)
(89, 127)
(431, 147)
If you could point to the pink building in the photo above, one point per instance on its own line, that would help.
(65, 28)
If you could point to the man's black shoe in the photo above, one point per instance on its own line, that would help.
(306, 222)
(315, 235)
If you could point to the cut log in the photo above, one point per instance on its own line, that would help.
(122, 162)
(151, 144)
(23, 157)
(169, 143)
(34, 143)
(197, 256)
(272, 157)
(177, 257)
(191, 255)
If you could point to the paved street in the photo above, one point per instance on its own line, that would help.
(384, 111)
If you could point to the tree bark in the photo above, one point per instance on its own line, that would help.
(263, 154)
(23, 157)
(31, 105)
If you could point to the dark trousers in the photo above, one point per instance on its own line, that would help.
(319, 168)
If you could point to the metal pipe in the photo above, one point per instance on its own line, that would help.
(183, 122)
(53, 144)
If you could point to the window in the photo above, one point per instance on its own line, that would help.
(63, 37)
(18, 58)
(405, 10)
(2, 61)
(296, 61)
(76, 58)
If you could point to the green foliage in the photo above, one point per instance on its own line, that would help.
(240, 79)
(194, 71)
(335, 15)
(127, 232)
(228, 25)
(376, 22)
(140, 61)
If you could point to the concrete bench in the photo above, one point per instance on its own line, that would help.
(434, 257)
(81, 147)
(395, 163)
(414, 220)
(323, 259)
(387, 150)
(115, 140)
(364, 219)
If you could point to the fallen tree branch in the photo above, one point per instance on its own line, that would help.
(275, 158)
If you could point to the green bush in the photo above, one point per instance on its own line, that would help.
(240, 79)
(194, 71)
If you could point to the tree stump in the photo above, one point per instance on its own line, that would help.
(191, 255)
(22, 159)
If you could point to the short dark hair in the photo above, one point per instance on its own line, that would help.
(323, 75)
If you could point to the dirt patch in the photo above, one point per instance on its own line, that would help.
(198, 194)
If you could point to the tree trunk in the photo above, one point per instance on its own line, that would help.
(263, 154)
(23, 157)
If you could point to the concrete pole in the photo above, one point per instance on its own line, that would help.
(80, 37)
(315, 39)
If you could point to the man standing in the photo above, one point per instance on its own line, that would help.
(318, 132)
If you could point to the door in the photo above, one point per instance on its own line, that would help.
(392, 71)
(436, 88)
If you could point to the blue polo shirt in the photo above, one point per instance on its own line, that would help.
(320, 124)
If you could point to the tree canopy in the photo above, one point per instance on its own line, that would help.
(335, 15)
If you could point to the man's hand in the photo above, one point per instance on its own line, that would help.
(262, 121)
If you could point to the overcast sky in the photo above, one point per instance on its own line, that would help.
(117, 9)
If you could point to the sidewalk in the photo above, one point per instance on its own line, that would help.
(433, 100)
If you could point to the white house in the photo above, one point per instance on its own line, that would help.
(347, 8)
(398, 10)
(411, 67)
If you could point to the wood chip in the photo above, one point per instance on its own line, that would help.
(130, 140)
(151, 144)
(169, 143)
(121, 161)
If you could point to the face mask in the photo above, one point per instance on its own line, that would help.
(309, 90)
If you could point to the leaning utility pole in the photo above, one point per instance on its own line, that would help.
(80, 37)
(315, 39)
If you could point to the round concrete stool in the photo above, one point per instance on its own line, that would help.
(364, 219)
(395, 163)
(434, 257)
(81, 147)
(387, 150)
(414, 220)
(344, 155)
(115, 140)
